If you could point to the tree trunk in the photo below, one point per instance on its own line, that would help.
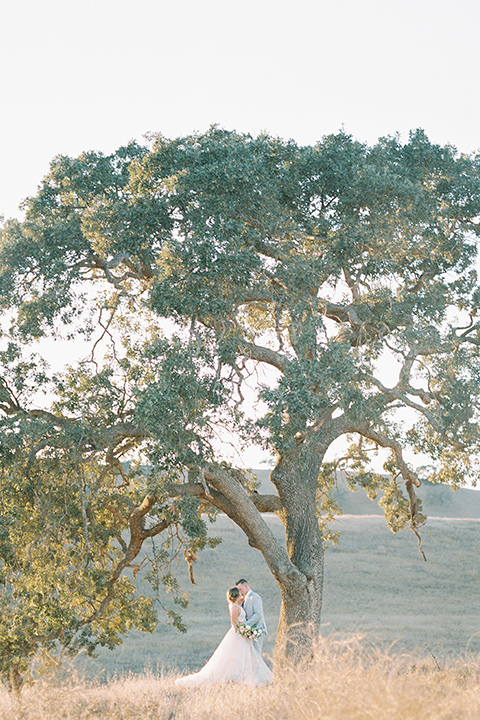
(296, 481)
(14, 680)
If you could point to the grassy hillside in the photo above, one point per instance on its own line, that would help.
(376, 583)
(437, 500)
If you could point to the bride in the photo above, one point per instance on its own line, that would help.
(235, 658)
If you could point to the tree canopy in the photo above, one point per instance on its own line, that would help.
(348, 271)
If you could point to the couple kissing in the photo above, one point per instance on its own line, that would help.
(238, 658)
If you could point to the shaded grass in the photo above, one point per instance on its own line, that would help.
(346, 680)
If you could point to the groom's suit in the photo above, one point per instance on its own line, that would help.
(253, 606)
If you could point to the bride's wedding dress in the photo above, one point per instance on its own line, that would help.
(234, 659)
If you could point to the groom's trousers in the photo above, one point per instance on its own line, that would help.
(258, 644)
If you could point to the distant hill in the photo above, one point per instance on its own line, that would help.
(438, 500)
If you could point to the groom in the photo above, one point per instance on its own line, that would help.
(253, 606)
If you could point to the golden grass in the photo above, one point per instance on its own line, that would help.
(345, 681)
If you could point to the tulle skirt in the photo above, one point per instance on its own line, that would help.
(236, 660)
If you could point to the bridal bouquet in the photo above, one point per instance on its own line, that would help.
(250, 633)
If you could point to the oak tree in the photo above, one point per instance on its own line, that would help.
(287, 296)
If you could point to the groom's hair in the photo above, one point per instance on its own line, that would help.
(242, 582)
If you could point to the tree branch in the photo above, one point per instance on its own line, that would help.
(259, 295)
(251, 522)
(384, 441)
(263, 503)
(264, 354)
(138, 534)
(351, 283)
(394, 393)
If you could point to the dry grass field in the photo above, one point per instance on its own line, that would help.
(346, 681)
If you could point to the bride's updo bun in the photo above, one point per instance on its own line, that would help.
(233, 594)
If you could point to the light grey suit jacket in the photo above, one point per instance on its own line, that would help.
(253, 607)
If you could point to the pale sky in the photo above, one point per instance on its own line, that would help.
(92, 75)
